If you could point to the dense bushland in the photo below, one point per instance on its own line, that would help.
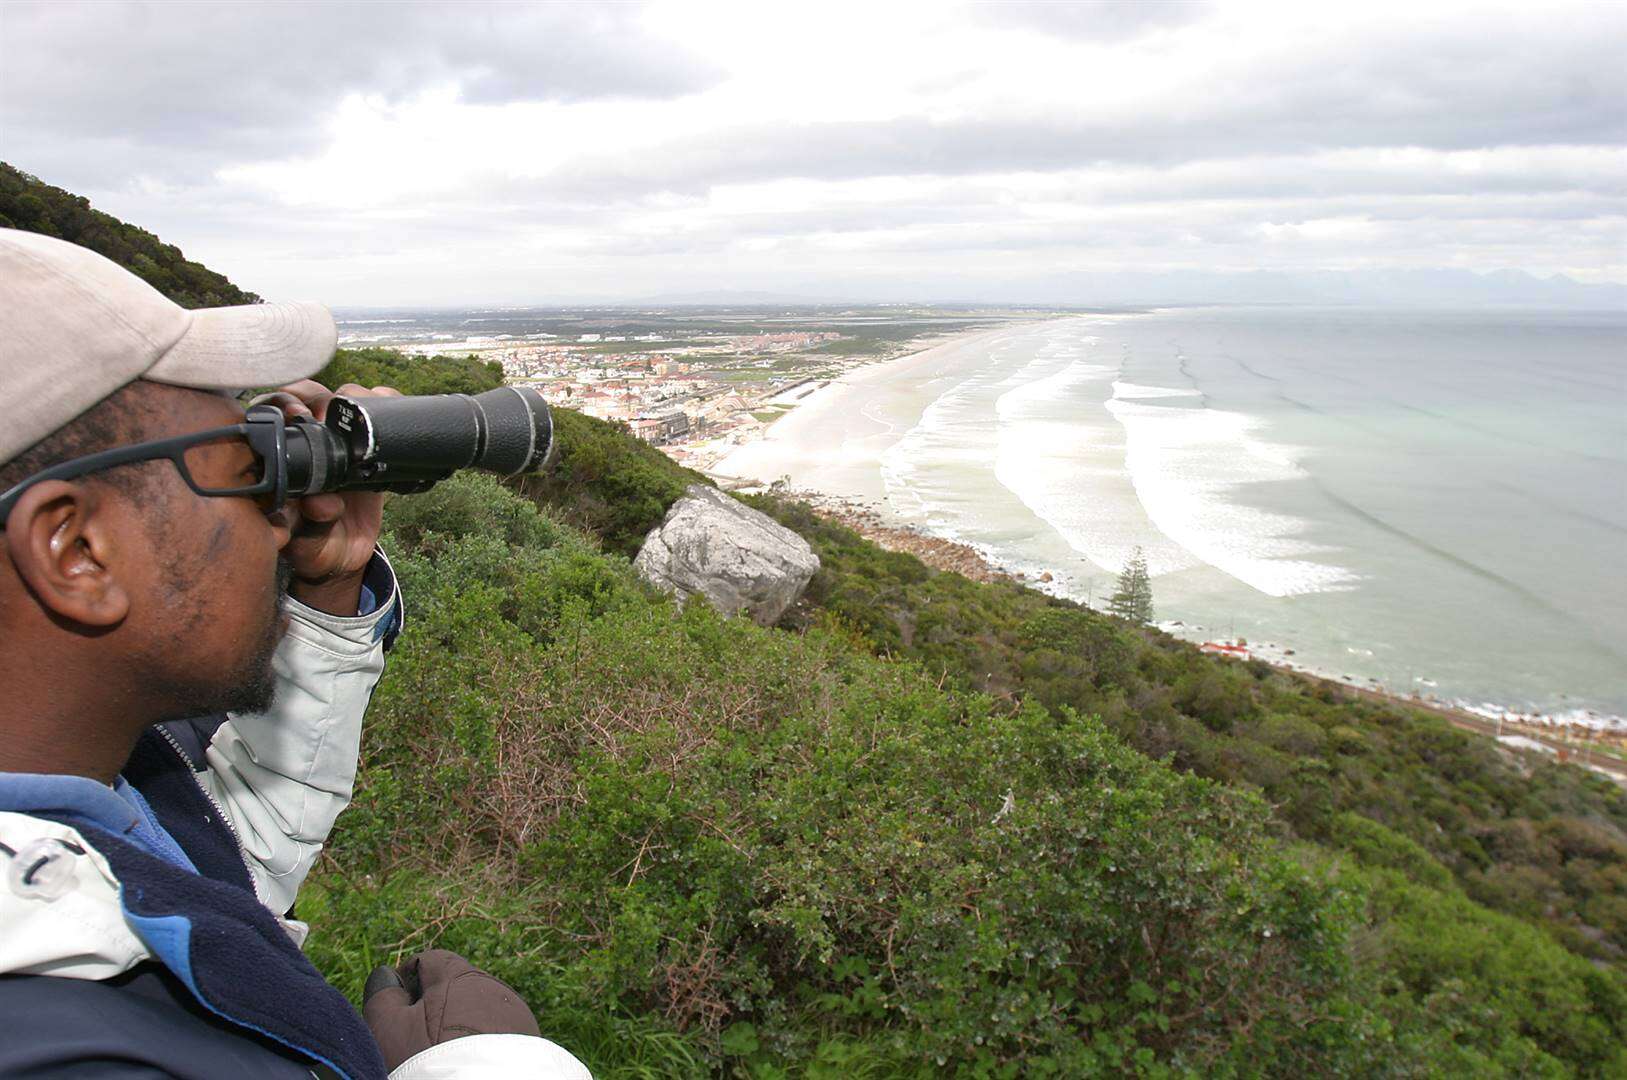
(1391, 786)
(26, 202)
(411, 374)
(702, 847)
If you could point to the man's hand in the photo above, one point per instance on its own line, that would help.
(435, 997)
(335, 533)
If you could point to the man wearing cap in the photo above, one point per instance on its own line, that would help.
(185, 664)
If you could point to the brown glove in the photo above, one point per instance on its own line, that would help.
(435, 997)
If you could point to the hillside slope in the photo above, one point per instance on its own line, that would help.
(700, 774)
(27, 202)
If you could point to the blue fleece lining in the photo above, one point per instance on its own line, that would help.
(170, 939)
(81, 801)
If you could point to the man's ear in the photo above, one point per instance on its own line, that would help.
(60, 537)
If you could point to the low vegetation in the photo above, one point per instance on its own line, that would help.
(411, 374)
(1535, 839)
(698, 846)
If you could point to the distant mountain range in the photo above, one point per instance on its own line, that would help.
(730, 298)
(1410, 288)
(1436, 288)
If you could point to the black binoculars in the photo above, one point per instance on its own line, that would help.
(408, 444)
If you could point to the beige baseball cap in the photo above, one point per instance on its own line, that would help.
(74, 327)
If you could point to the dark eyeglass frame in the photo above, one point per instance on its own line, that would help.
(264, 427)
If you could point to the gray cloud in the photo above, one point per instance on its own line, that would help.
(181, 85)
(1099, 20)
(1447, 92)
(989, 228)
(108, 98)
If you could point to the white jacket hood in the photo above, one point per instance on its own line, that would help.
(72, 928)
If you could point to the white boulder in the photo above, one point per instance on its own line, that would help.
(740, 559)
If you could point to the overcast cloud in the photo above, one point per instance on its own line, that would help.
(529, 153)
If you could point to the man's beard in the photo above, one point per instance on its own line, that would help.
(257, 678)
(251, 686)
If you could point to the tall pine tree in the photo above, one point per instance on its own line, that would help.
(1133, 598)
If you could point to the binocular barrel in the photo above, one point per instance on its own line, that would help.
(409, 443)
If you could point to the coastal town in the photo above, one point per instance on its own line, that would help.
(696, 391)
(696, 399)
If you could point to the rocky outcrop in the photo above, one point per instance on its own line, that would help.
(740, 559)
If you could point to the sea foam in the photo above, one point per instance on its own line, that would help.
(1062, 455)
(1189, 467)
(924, 472)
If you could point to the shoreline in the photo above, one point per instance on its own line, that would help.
(836, 441)
(1601, 749)
(814, 401)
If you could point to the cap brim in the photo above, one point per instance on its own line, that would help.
(234, 348)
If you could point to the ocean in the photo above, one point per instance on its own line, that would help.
(1431, 502)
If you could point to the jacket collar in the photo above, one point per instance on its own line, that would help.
(79, 801)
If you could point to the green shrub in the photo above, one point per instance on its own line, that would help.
(469, 505)
(1374, 845)
(1314, 750)
(706, 847)
(608, 483)
(1495, 985)
(411, 374)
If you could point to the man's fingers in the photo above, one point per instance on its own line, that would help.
(322, 509)
(307, 397)
(312, 394)
(357, 390)
(291, 406)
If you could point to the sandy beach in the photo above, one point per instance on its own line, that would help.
(831, 442)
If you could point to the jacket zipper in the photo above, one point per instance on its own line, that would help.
(254, 882)
(255, 885)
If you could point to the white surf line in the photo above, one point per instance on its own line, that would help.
(950, 429)
(1187, 466)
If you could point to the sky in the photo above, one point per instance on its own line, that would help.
(509, 153)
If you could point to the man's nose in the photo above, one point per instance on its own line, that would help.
(284, 522)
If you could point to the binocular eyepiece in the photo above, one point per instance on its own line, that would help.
(409, 444)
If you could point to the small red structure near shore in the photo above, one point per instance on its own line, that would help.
(1221, 648)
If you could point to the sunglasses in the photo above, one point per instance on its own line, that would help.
(264, 429)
